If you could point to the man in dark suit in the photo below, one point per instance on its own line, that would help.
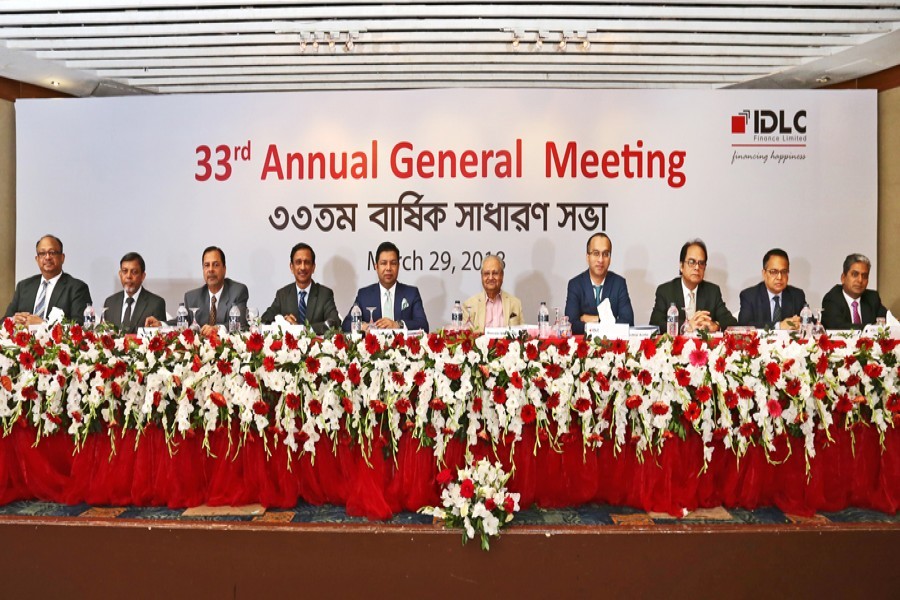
(589, 289)
(850, 305)
(304, 301)
(131, 308)
(396, 305)
(215, 299)
(772, 303)
(35, 297)
(691, 293)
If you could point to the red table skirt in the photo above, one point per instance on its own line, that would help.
(853, 470)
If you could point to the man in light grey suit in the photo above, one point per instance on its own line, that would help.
(215, 299)
(134, 305)
(304, 301)
(37, 296)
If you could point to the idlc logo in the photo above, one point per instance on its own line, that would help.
(769, 121)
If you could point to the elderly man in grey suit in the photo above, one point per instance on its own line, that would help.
(215, 299)
(304, 301)
(134, 305)
(36, 296)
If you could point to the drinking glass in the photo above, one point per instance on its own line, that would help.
(371, 310)
(686, 327)
(467, 310)
(103, 314)
(194, 324)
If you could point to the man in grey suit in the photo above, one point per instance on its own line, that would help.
(699, 302)
(304, 301)
(36, 296)
(215, 299)
(134, 305)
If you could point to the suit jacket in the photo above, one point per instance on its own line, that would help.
(70, 295)
(233, 294)
(709, 297)
(580, 299)
(836, 313)
(413, 315)
(148, 305)
(320, 306)
(756, 308)
(512, 309)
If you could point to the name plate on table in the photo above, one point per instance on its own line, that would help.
(874, 330)
(612, 331)
(642, 332)
(291, 328)
(504, 332)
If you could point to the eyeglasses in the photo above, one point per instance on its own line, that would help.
(50, 253)
(598, 254)
(777, 272)
(695, 263)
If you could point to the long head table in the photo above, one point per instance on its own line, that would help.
(660, 424)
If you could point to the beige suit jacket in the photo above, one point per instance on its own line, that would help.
(475, 310)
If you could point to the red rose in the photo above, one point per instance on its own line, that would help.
(347, 404)
(819, 390)
(659, 408)
(217, 399)
(509, 505)
(515, 380)
(377, 406)
(490, 504)
(748, 429)
(476, 404)
(340, 342)
(745, 392)
(250, 378)
(64, 358)
(633, 402)
(528, 414)
(437, 404)
(888, 345)
(336, 375)
(532, 352)
(403, 406)
(354, 374)
(260, 407)
(602, 381)
(255, 342)
(29, 393)
(499, 395)
(452, 371)
(445, 476)
(692, 411)
(683, 377)
(276, 345)
(648, 348)
(583, 405)
(892, 403)
(581, 351)
(853, 380)
(623, 374)
(873, 370)
(501, 347)
(678, 345)
(315, 407)
(22, 339)
(865, 343)
(843, 404)
(467, 489)
(553, 400)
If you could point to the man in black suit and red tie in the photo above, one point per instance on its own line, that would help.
(850, 305)
(772, 303)
(37, 296)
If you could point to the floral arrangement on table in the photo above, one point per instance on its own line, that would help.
(475, 500)
(733, 391)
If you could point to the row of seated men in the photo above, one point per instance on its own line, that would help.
(772, 303)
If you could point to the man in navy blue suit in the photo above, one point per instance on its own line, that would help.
(397, 306)
(772, 303)
(589, 289)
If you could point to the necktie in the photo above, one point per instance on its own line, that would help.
(776, 312)
(126, 320)
(856, 319)
(41, 300)
(301, 307)
(212, 312)
(598, 291)
(387, 306)
(692, 305)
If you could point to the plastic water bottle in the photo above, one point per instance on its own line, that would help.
(456, 316)
(355, 318)
(806, 321)
(234, 320)
(181, 316)
(90, 317)
(543, 321)
(672, 320)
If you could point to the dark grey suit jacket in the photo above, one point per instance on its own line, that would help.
(233, 294)
(709, 297)
(70, 295)
(836, 313)
(320, 306)
(756, 308)
(148, 305)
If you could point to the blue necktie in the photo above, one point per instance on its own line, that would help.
(301, 307)
(598, 291)
(41, 300)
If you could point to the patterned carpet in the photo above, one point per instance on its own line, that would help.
(588, 516)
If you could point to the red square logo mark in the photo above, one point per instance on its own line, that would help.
(738, 124)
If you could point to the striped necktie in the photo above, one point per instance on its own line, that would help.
(40, 307)
(301, 307)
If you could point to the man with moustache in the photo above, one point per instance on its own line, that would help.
(772, 303)
(493, 307)
(849, 305)
(304, 301)
(35, 297)
(699, 302)
(134, 305)
(397, 306)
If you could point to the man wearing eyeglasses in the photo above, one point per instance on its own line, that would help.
(37, 296)
(588, 290)
(134, 305)
(699, 302)
(772, 303)
(493, 306)
(849, 305)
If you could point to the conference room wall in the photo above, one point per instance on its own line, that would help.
(888, 266)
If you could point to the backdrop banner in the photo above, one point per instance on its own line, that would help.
(450, 176)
